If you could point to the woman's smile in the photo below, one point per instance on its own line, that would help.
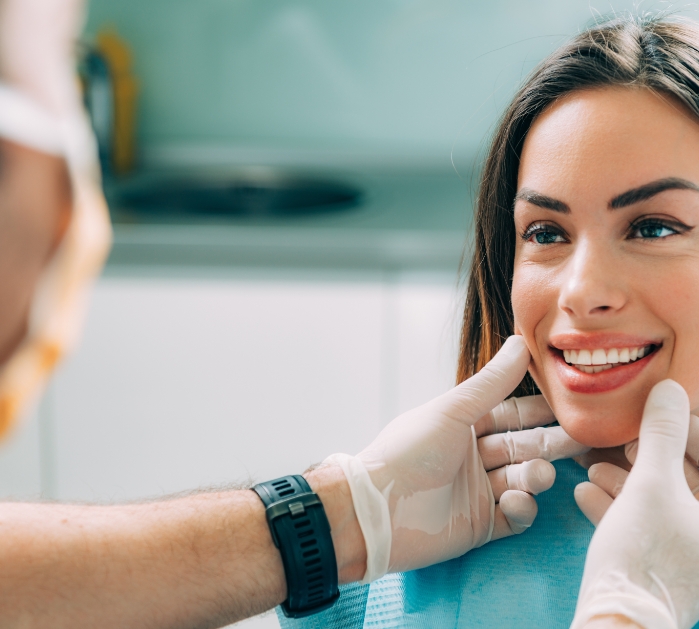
(600, 363)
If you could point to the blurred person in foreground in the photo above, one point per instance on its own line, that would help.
(422, 493)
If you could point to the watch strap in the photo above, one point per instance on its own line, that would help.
(301, 532)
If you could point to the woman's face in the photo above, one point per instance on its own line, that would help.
(606, 277)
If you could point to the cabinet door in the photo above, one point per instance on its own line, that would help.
(20, 459)
(427, 314)
(184, 383)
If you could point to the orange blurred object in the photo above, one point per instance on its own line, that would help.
(125, 89)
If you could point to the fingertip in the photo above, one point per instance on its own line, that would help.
(519, 508)
(665, 426)
(514, 347)
(669, 394)
(630, 451)
(593, 473)
(608, 477)
(501, 527)
(580, 489)
(592, 501)
(540, 475)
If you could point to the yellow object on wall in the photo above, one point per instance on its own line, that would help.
(125, 87)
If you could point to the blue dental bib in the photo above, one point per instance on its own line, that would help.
(524, 581)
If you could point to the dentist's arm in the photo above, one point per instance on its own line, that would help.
(205, 560)
(641, 567)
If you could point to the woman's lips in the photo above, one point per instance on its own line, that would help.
(581, 382)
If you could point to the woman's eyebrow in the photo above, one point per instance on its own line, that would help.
(536, 198)
(648, 190)
(635, 195)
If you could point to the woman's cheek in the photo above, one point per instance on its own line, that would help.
(684, 366)
(530, 304)
(678, 311)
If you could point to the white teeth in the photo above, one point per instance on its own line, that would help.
(594, 361)
(599, 357)
(584, 357)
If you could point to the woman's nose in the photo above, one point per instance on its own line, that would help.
(592, 284)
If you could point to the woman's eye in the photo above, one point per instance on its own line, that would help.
(652, 231)
(543, 235)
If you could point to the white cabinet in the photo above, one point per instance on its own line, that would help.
(422, 355)
(21, 460)
(188, 382)
(182, 383)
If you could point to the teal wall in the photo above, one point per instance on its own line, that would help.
(397, 76)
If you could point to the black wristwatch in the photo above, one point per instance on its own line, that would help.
(301, 532)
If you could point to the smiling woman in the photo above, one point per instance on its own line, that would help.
(585, 232)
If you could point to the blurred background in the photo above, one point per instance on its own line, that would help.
(291, 185)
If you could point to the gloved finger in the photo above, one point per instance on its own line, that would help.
(593, 501)
(507, 448)
(531, 476)
(478, 395)
(609, 477)
(664, 428)
(691, 473)
(516, 414)
(693, 440)
(515, 514)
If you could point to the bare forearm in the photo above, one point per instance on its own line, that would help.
(201, 561)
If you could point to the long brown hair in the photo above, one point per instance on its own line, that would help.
(652, 52)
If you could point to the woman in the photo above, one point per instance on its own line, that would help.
(614, 98)
(586, 246)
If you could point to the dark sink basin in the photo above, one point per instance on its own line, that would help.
(243, 195)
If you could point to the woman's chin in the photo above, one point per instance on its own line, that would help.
(598, 420)
(599, 428)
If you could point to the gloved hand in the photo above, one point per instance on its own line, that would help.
(611, 478)
(426, 489)
(642, 561)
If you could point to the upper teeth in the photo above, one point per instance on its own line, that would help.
(604, 359)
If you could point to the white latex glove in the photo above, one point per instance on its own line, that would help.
(422, 491)
(643, 558)
(611, 478)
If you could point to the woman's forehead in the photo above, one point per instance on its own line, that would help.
(605, 141)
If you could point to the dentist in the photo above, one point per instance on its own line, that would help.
(423, 492)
